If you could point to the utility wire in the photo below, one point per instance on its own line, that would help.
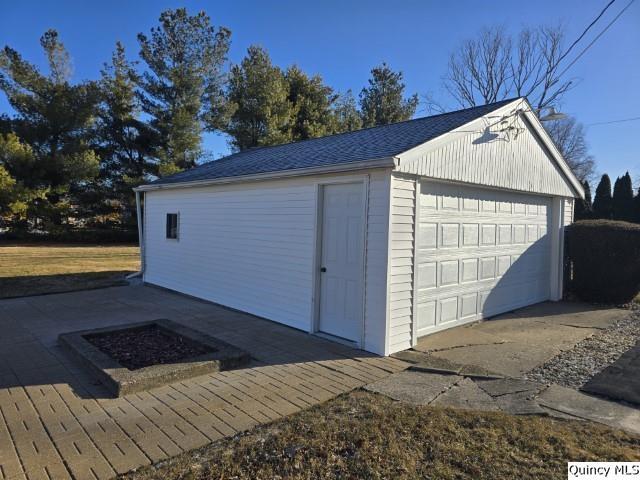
(596, 39)
(615, 121)
(585, 31)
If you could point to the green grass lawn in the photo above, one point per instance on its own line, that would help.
(36, 269)
(363, 435)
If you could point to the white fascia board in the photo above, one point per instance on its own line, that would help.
(386, 162)
(535, 122)
(481, 122)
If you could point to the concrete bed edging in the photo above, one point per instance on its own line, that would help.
(121, 381)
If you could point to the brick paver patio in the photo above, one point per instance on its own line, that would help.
(57, 422)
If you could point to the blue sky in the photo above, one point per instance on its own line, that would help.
(342, 40)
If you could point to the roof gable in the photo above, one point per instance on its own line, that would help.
(522, 158)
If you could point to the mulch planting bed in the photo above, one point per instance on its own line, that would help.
(140, 347)
(139, 356)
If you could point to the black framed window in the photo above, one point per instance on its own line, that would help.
(172, 225)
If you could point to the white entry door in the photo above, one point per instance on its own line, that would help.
(480, 253)
(341, 271)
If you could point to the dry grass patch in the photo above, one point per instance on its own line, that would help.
(37, 269)
(363, 435)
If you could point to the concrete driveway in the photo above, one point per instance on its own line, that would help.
(517, 342)
(478, 366)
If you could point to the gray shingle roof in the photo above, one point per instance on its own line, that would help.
(367, 144)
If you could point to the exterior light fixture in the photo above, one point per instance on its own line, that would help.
(552, 115)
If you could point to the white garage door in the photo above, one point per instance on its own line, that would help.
(480, 252)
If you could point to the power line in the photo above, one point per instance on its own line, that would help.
(585, 31)
(632, 119)
(596, 39)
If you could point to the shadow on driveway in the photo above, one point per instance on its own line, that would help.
(23, 286)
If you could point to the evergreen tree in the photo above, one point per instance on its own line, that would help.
(602, 203)
(311, 102)
(258, 95)
(126, 144)
(382, 101)
(346, 115)
(616, 192)
(54, 121)
(5, 124)
(584, 207)
(271, 107)
(622, 202)
(7, 191)
(182, 90)
(14, 156)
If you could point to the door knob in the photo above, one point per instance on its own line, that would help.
(323, 269)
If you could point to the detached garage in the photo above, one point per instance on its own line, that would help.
(375, 237)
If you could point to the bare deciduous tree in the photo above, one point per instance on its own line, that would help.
(568, 135)
(495, 66)
(479, 71)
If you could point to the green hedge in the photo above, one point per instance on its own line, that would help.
(603, 260)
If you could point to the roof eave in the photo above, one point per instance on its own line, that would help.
(385, 162)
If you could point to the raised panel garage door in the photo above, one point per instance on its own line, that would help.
(480, 252)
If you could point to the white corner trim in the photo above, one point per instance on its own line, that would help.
(560, 291)
(317, 252)
(387, 323)
(555, 282)
(414, 279)
(365, 257)
(140, 229)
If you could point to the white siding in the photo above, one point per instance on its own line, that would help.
(519, 163)
(402, 225)
(376, 268)
(251, 247)
(568, 212)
